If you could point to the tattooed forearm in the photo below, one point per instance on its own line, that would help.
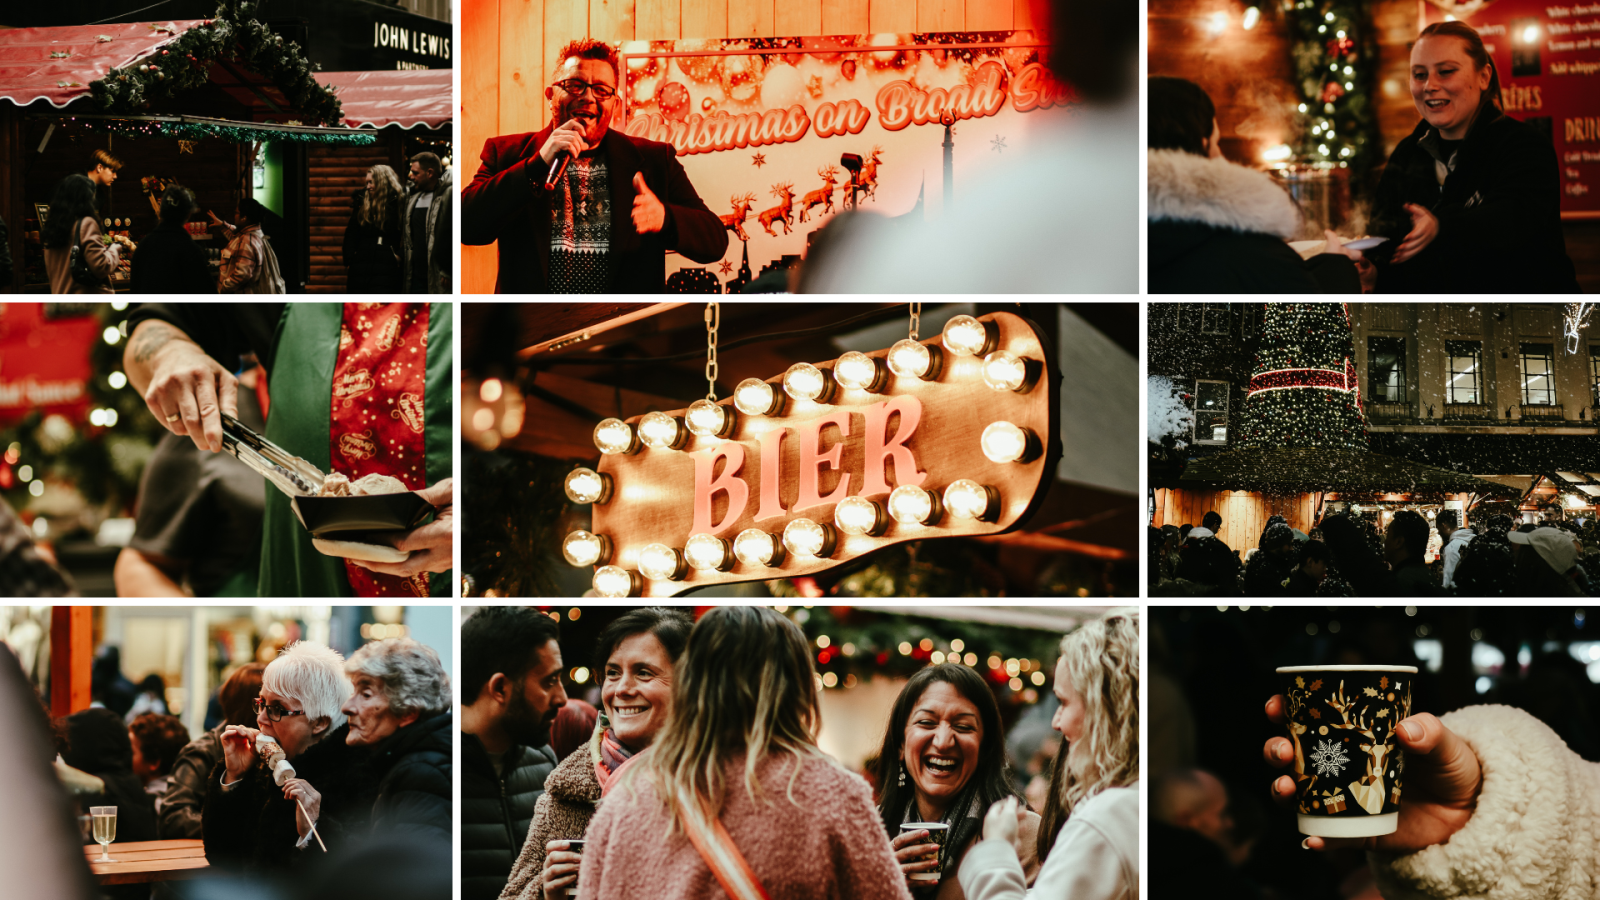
(151, 336)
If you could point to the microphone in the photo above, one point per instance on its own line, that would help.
(558, 170)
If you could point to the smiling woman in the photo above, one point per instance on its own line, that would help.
(943, 762)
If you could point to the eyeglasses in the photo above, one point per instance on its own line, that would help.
(575, 87)
(275, 713)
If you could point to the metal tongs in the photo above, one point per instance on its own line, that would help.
(291, 474)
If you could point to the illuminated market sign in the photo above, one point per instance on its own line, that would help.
(794, 475)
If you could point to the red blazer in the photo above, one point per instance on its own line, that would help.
(506, 202)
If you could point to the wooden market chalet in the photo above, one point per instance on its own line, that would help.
(225, 107)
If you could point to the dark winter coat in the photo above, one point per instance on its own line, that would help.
(1487, 567)
(506, 202)
(186, 786)
(1208, 561)
(252, 827)
(1265, 574)
(169, 261)
(414, 797)
(1220, 228)
(98, 743)
(1499, 212)
(372, 254)
(496, 812)
(1413, 579)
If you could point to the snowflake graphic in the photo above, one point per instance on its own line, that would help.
(1329, 758)
(999, 143)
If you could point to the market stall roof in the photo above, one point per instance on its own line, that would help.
(1307, 470)
(409, 98)
(33, 67)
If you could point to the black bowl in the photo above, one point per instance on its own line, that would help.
(329, 517)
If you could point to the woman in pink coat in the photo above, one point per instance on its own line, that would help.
(735, 776)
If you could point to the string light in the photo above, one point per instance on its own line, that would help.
(967, 499)
(804, 537)
(911, 505)
(615, 582)
(614, 436)
(584, 485)
(859, 516)
(755, 397)
(755, 547)
(584, 549)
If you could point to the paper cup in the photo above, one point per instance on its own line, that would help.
(937, 833)
(1347, 760)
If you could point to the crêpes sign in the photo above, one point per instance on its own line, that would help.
(955, 435)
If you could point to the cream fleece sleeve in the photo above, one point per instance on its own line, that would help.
(1095, 857)
(1535, 834)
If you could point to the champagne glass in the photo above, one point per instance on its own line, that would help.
(105, 829)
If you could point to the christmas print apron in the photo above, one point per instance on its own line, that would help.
(358, 388)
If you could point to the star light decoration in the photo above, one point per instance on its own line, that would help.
(1304, 390)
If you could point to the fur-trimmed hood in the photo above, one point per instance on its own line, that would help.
(1189, 188)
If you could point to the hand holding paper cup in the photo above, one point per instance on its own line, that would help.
(937, 833)
(1347, 757)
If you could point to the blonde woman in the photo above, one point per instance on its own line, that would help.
(372, 240)
(735, 776)
(1089, 839)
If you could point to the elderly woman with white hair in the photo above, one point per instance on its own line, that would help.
(251, 822)
(401, 710)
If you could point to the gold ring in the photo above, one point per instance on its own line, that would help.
(173, 418)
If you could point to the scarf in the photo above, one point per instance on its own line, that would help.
(964, 817)
(610, 757)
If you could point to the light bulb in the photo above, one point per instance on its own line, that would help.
(613, 582)
(661, 431)
(803, 537)
(658, 562)
(914, 359)
(911, 505)
(755, 397)
(709, 419)
(1004, 371)
(804, 381)
(585, 485)
(1004, 442)
(968, 499)
(858, 371)
(755, 547)
(615, 436)
(584, 549)
(858, 515)
(707, 552)
(966, 336)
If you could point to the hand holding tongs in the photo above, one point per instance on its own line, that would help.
(291, 474)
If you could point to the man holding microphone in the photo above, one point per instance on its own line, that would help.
(580, 208)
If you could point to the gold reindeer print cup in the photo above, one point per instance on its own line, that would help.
(1347, 760)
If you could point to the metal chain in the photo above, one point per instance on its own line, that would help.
(713, 320)
(916, 319)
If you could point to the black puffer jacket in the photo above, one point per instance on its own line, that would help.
(98, 743)
(1499, 212)
(252, 827)
(1217, 227)
(414, 796)
(496, 812)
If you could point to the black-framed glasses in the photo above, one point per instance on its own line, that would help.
(276, 713)
(576, 87)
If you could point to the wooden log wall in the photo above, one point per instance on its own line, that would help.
(511, 47)
(336, 174)
(1244, 513)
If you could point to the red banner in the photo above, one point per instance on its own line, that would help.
(44, 359)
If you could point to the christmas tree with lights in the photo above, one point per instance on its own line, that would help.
(1304, 390)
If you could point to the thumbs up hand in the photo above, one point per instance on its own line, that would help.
(648, 213)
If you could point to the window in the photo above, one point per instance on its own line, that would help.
(1466, 372)
(1210, 412)
(1214, 318)
(1538, 375)
(1386, 369)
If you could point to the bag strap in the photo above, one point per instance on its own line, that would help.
(716, 847)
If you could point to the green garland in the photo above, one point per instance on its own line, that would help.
(235, 36)
(1338, 113)
(239, 134)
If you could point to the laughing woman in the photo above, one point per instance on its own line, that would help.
(944, 760)
(1472, 197)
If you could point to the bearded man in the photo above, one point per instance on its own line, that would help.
(511, 692)
(605, 224)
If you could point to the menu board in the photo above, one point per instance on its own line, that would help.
(1548, 55)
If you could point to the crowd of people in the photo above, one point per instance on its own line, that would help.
(1345, 555)
(397, 240)
(705, 754)
(1466, 172)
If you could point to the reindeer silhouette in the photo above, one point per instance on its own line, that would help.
(734, 221)
(869, 172)
(783, 212)
(1368, 790)
(822, 195)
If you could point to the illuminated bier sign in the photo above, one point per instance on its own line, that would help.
(952, 436)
